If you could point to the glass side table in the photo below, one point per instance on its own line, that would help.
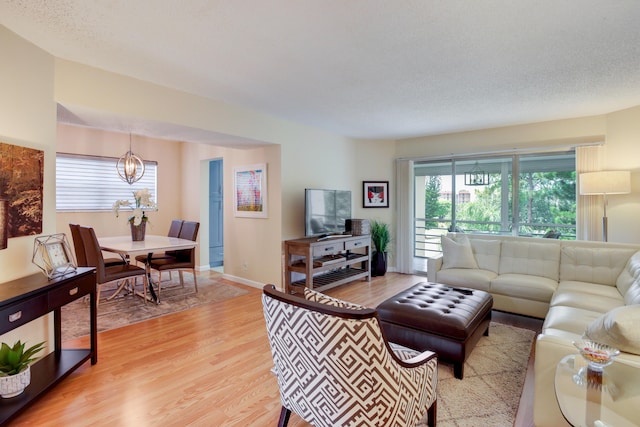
(587, 398)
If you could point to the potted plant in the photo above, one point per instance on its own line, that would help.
(380, 237)
(15, 368)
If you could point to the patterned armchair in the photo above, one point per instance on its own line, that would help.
(335, 368)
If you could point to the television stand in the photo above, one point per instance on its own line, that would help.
(326, 263)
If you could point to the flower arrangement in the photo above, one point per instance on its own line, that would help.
(142, 201)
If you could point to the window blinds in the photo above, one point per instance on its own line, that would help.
(88, 183)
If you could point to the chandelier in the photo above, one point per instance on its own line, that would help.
(130, 166)
(476, 176)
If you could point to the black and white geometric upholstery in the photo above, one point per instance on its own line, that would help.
(335, 368)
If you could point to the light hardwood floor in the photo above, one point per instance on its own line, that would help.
(207, 366)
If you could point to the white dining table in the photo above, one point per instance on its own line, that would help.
(124, 246)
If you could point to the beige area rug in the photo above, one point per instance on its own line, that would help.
(494, 374)
(126, 308)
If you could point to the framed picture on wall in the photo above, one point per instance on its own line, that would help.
(250, 191)
(375, 194)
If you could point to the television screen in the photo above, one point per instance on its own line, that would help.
(326, 211)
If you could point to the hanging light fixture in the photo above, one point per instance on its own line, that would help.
(476, 176)
(130, 167)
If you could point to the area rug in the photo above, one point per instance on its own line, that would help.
(126, 308)
(494, 374)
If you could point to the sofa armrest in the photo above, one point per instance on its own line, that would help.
(548, 353)
(434, 264)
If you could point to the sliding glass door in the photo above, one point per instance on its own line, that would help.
(526, 195)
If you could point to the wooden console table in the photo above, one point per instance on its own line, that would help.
(28, 298)
(327, 263)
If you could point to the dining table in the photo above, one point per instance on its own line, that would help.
(128, 248)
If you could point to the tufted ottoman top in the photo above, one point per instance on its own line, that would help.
(437, 309)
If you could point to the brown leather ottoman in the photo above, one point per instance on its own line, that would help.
(436, 317)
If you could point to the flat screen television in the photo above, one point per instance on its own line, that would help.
(325, 211)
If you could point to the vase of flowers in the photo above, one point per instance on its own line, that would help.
(138, 218)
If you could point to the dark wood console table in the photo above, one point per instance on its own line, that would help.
(28, 298)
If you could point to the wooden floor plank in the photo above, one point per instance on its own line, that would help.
(208, 366)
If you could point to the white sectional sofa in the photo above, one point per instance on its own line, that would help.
(572, 285)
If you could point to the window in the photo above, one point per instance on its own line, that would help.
(525, 195)
(88, 183)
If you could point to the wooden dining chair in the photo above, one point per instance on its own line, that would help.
(174, 231)
(112, 273)
(184, 259)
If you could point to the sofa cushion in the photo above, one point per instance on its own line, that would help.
(466, 278)
(618, 328)
(570, 319)
(524, 286)
(630, 274)
(593, 265)
(457, 254)
(535, 259)
(588, 296)
(487, 253)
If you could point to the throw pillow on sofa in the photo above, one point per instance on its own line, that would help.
(457, 254)
(618, 328)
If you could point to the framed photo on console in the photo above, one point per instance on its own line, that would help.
(375, 194)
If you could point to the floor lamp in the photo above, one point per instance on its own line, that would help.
(605, 183)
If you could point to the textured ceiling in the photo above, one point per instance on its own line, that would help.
(360, 68)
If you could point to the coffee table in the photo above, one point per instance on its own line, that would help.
(432, 316)
(598, 399)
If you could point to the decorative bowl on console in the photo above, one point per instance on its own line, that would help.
(597, 355)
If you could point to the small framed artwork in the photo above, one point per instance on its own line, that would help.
(53, 255)
(250, 191)
(375, 194)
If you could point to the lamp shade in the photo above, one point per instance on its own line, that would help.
(605, 182)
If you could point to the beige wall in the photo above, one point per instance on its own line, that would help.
(251, 245)
(27, 118)
(168, 154)
(623, 153)
(297, 156)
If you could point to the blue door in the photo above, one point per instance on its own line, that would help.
(216, 223)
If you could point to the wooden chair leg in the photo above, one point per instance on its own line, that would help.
(195, 280)
(431, 413)
(284, 417)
